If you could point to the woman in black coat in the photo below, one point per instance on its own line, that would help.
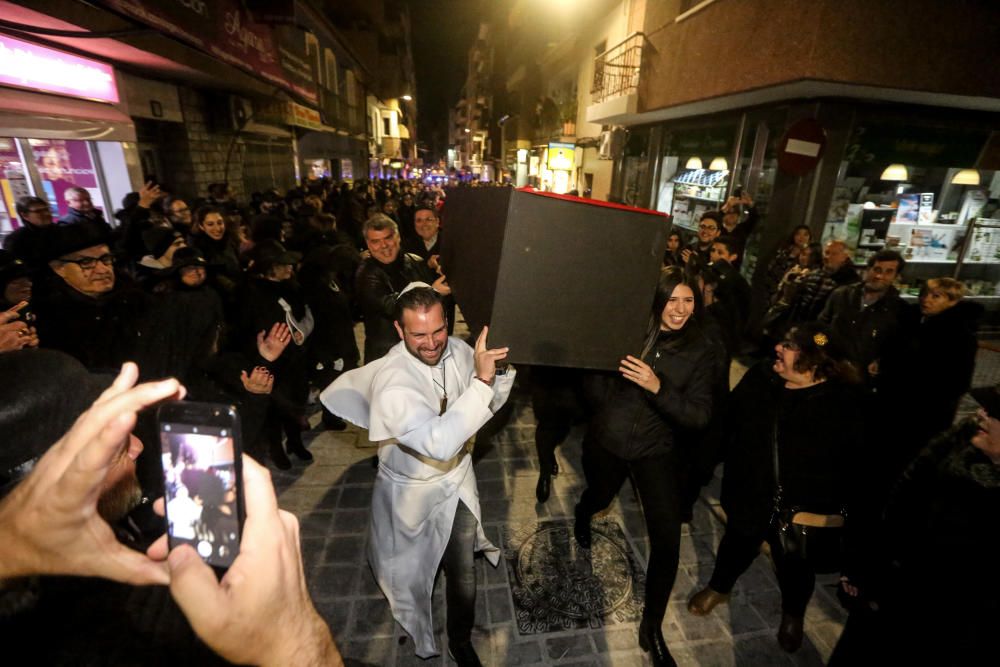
(635, 432)
(930, 375)
(806, 404)
(935, 580)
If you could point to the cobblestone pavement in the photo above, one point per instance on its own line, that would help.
(331, 498)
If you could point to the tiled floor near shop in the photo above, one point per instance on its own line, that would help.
(331, 498)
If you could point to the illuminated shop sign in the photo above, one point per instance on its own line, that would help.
(28, 65)
(561, 156)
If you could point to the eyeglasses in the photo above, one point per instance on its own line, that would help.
(181, 210)
(44, 209)
(790, 346)
(708, 228)
(88, 263)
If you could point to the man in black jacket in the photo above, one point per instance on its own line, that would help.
(870, 320)
(81, 209)
(381, 278)
(27, 241)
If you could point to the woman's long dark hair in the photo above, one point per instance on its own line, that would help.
(670, 278)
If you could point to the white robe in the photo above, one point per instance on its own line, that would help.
(414, 503)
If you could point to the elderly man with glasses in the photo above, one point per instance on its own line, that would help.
(85, 311)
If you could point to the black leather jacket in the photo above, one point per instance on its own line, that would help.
(376, 286)
(633, 423)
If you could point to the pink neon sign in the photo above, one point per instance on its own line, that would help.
(28, 65)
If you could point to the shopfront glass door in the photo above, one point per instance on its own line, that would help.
(63, 164)
(13, 182)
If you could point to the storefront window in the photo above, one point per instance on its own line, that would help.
(14, 183)
(635, 166)
(920, 191)
(694, 172)
(62, 164)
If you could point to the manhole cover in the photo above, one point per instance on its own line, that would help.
(557, 586)
(550, 568)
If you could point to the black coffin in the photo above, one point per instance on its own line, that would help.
(562, 281)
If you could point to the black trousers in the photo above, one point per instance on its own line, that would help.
(459, 567)
(796, 578)
(557, 404)
(656, 481)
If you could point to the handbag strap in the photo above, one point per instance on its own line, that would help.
(774, 461)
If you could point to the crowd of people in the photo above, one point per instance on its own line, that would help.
(839, 452)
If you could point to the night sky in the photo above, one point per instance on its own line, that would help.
(443, 31)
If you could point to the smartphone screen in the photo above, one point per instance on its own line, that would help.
(201, 476)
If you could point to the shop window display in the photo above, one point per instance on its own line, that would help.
(13, 182)
(919, 191)
(62, 164)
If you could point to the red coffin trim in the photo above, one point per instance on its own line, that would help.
(590, 202)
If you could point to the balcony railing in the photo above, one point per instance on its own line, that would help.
(616, 71)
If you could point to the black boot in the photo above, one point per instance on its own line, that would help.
(464, 654)
(581, 526)
(295, 446)
(544, 486)
(332, 422)
(278, 456)
(651, 641)
(790, 633)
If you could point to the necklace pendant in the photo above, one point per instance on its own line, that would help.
(444, 405)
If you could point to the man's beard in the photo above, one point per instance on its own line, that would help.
(118, 500)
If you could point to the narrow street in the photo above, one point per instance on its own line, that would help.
(544, 604)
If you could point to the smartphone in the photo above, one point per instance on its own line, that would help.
(200, 449)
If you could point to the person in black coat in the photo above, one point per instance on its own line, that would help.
(381, 277)
(933, 596)
(27, 242)
(272, 296)
(802, 409)
(870, 321)
(667, 388)
(931, 372)
(333, 349)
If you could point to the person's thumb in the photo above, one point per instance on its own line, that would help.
(196, 590)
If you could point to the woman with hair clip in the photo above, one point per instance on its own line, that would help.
(796, 429)
(635, 431)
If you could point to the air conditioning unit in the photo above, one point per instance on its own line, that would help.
(228, 113)
(611, 143)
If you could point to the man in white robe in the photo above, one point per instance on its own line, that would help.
(423, 402)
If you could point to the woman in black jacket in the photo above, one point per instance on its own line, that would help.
(803, 410)
(635, 431)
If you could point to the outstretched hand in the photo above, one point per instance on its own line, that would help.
(271, 344)
(49, 523)
(259, 381)
(486, 359)
(638, 371)
(441, 285)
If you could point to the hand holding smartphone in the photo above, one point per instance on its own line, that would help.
(200, 448)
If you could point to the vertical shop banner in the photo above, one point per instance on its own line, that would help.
(13, 183)
(63, 164)
(226, 30)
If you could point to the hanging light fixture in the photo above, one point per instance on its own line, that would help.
(719, 164)
(693, 163)
(896, 172)
(966, 177)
